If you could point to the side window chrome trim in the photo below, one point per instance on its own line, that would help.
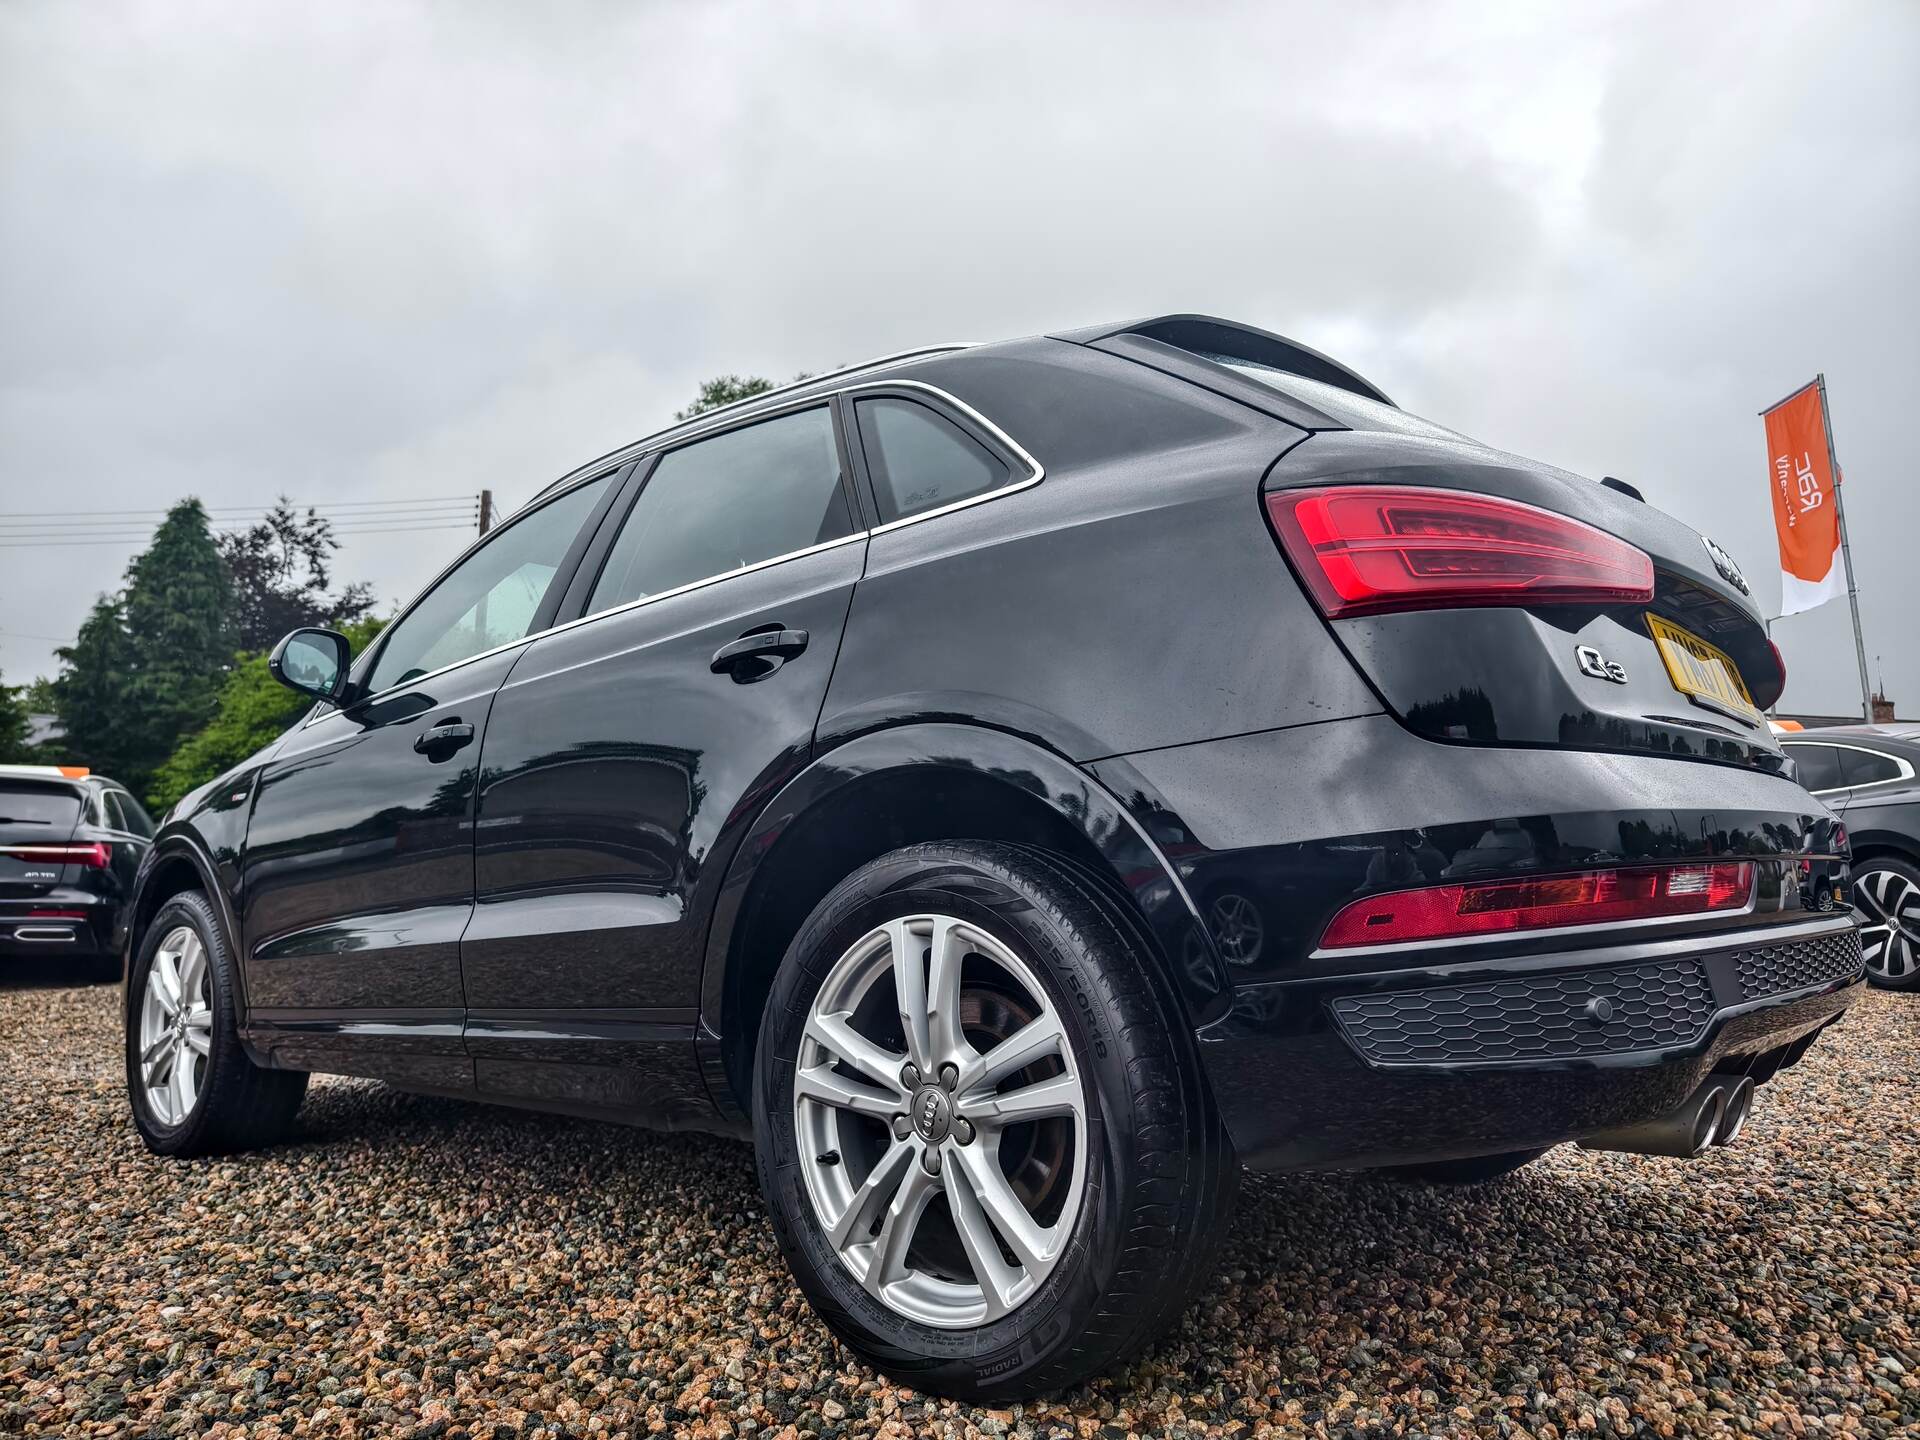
(1036, 473)
(1905, 768)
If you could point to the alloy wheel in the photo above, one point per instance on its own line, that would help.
(941, 1121)
(176, 1025)
(1889, 905)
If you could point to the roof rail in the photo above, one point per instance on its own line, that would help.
(705, 417)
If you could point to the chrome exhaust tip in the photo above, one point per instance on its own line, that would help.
(1739, 1107)
(1681, 1133)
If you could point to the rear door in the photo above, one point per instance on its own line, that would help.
(359, 867)
(628, 751)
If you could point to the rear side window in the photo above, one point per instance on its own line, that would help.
(720, 505)
(40, 806)
(920, 460)
(124, 813)
(1818, 766)
(1867, 767)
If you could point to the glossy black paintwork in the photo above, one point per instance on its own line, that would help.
(358, 871)
(573, 912)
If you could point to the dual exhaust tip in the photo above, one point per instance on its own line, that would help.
(1715, 1114)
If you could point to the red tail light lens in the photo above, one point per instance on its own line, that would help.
(1365, 549)
(1494, 907)
(93, 854)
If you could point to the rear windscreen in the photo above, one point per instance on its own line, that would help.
(1356, 412)
(57, 809)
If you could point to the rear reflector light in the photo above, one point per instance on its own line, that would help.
(1494, 907)
(56, 914)
(1365, 549)
(93, 855)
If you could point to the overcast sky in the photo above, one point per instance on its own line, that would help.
(360, 252)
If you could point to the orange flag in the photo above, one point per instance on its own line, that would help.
(1804, 517)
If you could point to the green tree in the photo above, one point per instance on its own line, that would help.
(252, 709)
(724, 390)
(148, 663)
(279, 571)
(91, 693)
(13, 725)
(727, 390)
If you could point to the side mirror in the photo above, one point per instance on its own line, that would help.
(314, 662)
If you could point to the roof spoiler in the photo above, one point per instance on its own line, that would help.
(1210, 335)
(44, 772)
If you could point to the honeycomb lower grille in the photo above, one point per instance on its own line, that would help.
(1543, 1017)
(1776, 969)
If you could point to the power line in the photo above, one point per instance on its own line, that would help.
(246, 509)
(228, 522)
(14, 543)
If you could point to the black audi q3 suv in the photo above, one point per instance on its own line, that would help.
(1018, 785)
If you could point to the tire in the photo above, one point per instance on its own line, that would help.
(233, 1104)
(1886, 893)
(1474, 1170)
(1149, 1172)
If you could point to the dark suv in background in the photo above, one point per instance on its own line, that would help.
(70, 842)
(1018, 784)
(1867, 774)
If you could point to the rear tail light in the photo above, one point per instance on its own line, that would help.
(1366, 549)
(92, 854)
(1495, 907)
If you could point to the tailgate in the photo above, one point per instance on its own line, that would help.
(1686, 674)
(34, 815)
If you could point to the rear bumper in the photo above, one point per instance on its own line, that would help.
(62, 923)
(1475, 1058)
(1350, 1058)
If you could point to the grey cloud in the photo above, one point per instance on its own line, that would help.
(410, 249)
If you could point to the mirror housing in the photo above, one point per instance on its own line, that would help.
(314, 662)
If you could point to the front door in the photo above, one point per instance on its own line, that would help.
(358, 879)
(626, 753)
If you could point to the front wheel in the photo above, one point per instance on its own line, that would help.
(987, 1149)
(193, 1088)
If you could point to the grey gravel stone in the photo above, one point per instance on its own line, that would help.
(421, 1267)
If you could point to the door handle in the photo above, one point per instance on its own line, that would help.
(440, 741)
(758, 653)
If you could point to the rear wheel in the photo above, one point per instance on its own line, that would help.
(1472, 1171)
(985, 1142)
(1886, 892)
(193, 1089)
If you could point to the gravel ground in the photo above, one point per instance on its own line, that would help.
(415, 1266)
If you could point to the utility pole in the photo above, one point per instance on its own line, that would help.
(1846, 553)
(486, 515)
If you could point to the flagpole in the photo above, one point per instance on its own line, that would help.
(1846, 553)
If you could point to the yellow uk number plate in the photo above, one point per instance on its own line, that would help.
(1702, 672)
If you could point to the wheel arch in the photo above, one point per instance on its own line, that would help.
(173, 866)
(907, 785)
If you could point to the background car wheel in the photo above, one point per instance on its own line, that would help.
(1886, 892)
(987, 1148)
(193, 1089)
(1471, 1171)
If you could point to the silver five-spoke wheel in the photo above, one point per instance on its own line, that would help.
(941, 1121)
(1889, 905)
(176, 1026)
